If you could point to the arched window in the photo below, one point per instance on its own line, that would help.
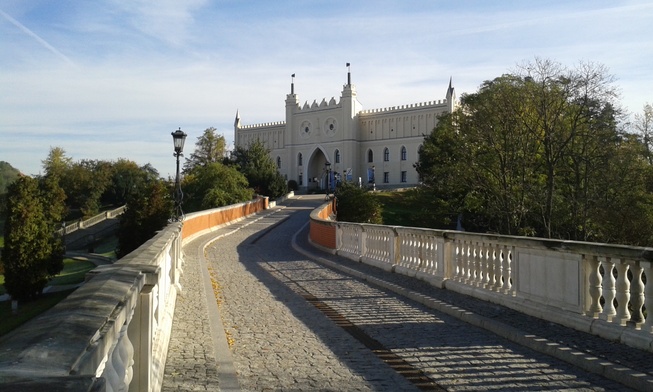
(278, 162)
(370, 156)
(300, 159)
(403, 153)
(336, 156)
(386, 154)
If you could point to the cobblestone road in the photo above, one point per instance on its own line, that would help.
(294, 324)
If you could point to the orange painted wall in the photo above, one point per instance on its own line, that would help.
(222, 216)
(322, 230)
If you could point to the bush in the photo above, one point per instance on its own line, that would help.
(292, 185)
(356, 205)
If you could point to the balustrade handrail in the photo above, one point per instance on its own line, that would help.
(94, 220)
(597, 288)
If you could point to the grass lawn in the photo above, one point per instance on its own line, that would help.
(73, 272)
(27, 310)
(398, 208)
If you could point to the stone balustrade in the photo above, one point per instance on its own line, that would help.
(597, 288)
(83, 224)
(112, 333)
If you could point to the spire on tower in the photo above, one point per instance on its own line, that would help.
(292, 84)
(237, 120)
(348, 75)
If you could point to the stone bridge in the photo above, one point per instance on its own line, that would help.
(259, 297)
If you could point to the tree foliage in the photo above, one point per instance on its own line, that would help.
(209, 148)
(214, 185)
(260, 170)
(148, 209)
(357, 205)
(32, 254)
(539, 152)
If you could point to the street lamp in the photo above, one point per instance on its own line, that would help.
(327, 168)
(178, 138)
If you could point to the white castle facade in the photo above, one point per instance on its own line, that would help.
(320, 144)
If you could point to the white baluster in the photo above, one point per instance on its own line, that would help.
(595, 282)
(647, 266)
(506, 270)
(637, 294)
(497, 268)
(609, 290)
(623, 293)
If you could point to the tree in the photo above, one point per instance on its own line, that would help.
(85, 183)
(644, 126)
(32, 255)
(148, 210)
(55, 167)
(442, 168)
(357, 205)
(260, 170)
(126, 177)
(214, 185)
(540, 153)
(209, 148)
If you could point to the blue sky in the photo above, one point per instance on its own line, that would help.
(109, 79)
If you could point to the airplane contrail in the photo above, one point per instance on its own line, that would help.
(37, 38)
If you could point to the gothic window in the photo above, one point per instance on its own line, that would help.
(278, 162)
(386, 177)
(336, 156)
(370, 156)
(386, 154)
(403, 153)
(301, 179)
(300, 159)
(404, 176)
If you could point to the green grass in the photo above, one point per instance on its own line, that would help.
(73, 272)
(107, 247)
(27, 310)
(398, 208)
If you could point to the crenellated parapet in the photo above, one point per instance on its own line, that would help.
(262, 125)
(442, 103)
(323, 105)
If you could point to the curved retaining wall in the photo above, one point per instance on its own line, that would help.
(112, 333)
(322, 229)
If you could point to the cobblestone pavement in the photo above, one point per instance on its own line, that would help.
(294, 324)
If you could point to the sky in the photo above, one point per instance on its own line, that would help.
(110, 79)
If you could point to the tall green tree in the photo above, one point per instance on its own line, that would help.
(541, 152)
(644, 127)
(214, 185)
(85, 183)
(148, 209)
(261, 171)
(126, 177)
(209, 148)
(32, 255)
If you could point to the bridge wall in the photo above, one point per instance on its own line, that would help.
(112, 333)
(597, 288)
(322, 228)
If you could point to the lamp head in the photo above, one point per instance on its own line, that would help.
(178, 138)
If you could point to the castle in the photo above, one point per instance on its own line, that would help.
(320, 144)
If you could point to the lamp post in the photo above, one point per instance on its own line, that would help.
(178, 138)
(327, 168)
